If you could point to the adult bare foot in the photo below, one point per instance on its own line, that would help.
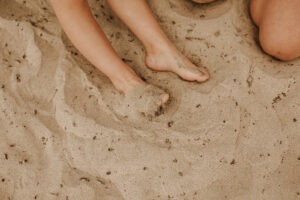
(170, 59)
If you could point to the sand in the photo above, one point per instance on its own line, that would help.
(235, 137)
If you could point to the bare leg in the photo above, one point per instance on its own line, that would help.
(279, 24)
(162, 55)
(80, 26)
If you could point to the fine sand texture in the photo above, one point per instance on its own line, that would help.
(65, 134)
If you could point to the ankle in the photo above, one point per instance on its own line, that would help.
(126, 82)
(160, 48)
(161, 57)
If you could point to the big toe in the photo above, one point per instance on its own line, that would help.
(164, 99)
(202, 76)
(146, 99)
(194, 74)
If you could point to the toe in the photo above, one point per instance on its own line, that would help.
(164, 99)
(194, 74)
(203, 77)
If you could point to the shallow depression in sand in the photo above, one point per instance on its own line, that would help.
(62, 137)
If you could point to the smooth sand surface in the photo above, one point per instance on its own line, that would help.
(235, 137)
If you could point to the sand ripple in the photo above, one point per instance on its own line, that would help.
(235, 137)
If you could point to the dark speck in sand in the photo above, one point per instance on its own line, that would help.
(143, 78)
(167, 141)
(110, 149)
(232, 162)
(18, 77)
(217, 34)
(170, 124)
(276, 99)
(85, 179)
(194, 38)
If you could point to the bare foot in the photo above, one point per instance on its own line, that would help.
(139, 97)
(173, 61)
(145, 99)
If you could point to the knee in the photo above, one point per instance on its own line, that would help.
(256, 10)
(279, 45)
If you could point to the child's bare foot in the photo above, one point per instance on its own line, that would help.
(140, 97)
(173, 61)
(145, 99)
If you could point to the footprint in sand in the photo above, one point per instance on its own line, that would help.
(190, 9)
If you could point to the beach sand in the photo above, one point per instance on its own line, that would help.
(63, 136)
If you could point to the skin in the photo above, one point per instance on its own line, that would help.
(161, 53)
(82, 29)
(279, 26)
(277, 20)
